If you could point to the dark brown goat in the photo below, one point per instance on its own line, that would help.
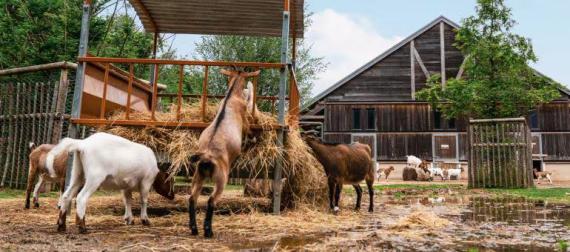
(38, 169)
(345, 164)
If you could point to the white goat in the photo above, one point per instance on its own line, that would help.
(413, 161)
(436, 171)
(113, 162)
(454, 172)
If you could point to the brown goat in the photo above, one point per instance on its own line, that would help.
(385, 171)
(345, 164)
(37, 168)
(219, 145)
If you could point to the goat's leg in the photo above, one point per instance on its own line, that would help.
(358, 190)
(65, 203)
(61, 189)
(144, 203)
(31, 177)
(127, 200)
(337, 197)
(332, 187)
(89, 188)
(37, 191)
(197, 182)
(370, 185)
(220, 179)
(549, 178)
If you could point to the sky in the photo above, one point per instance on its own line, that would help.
(349, 33)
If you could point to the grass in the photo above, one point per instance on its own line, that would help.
(563, 245)
(419, 186)
(557, 195)
(16, 193)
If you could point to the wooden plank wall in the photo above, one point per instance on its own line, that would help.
(389, 79)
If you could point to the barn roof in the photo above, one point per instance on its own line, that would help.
(387, 53)
(218, 17)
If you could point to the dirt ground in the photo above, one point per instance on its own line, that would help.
(404, 219)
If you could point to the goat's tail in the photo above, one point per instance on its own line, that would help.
(205, 164)
(66, 145)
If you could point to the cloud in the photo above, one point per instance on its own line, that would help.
(346, 42)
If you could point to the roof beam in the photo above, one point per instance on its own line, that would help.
(144, 11)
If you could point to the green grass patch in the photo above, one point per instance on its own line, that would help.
(557, 195)
(420, 186)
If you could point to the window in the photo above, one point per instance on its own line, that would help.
(356, 119)
(533, 118)
(436, 119)
(371, 123)
(439, 121)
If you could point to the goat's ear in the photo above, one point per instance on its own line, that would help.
(250, 74)
(32, 145)
(194, 158)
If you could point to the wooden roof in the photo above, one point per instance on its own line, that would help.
(218, 17)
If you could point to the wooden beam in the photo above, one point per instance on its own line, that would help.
(461, 69)
(421, 63)
(412, 70)
(138, 4)
(168, 124)
(183, 62)
(442, 52)
(35, 68)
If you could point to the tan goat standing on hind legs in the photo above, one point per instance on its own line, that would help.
(219, 146)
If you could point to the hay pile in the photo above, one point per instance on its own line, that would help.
(420, 219)
(305, 179)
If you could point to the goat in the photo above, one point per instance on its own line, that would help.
(219, 145)
(413, 161)
(448, 173)
(109, 161)
(385, 171)
(436, 171)
(37, 168)
(542, 175)
(345, 164)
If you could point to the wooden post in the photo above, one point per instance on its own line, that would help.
(104, 96)
(412, 71)
(154, 104)
(129, 90)
(204, 94)
(60, 104)
(442, 53)
(179, 102)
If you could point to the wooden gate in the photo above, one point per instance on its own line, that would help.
(29, 112)
(500, 153)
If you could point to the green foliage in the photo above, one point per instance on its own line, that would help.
(499, 82)
(563, 246)
(260, 49)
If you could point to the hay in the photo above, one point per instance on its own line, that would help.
(305, 178)
(420, 219)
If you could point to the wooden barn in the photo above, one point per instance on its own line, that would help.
(376, 104)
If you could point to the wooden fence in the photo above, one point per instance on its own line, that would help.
(500, 153)
(30, 111)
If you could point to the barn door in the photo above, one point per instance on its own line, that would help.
(445, 147)
(369, 139)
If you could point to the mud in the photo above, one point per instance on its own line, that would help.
(435, 220)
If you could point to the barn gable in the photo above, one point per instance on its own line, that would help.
(398, 73)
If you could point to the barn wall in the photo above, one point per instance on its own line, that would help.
(554, 117)
(556, 146)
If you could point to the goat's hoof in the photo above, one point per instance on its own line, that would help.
(36, 205)
(357, 209)
(82, 230)
(370, 210)
(145, 222)
(129, 221)
(27, 206)
(60, 228)
(58, 206)
(194, 231)
(208, 233)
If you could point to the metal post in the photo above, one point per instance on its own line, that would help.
(79, 77)
(281, 118)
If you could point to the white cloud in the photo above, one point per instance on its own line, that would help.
(346, 42)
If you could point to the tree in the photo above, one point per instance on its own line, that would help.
(260, 49)
(498, 81)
